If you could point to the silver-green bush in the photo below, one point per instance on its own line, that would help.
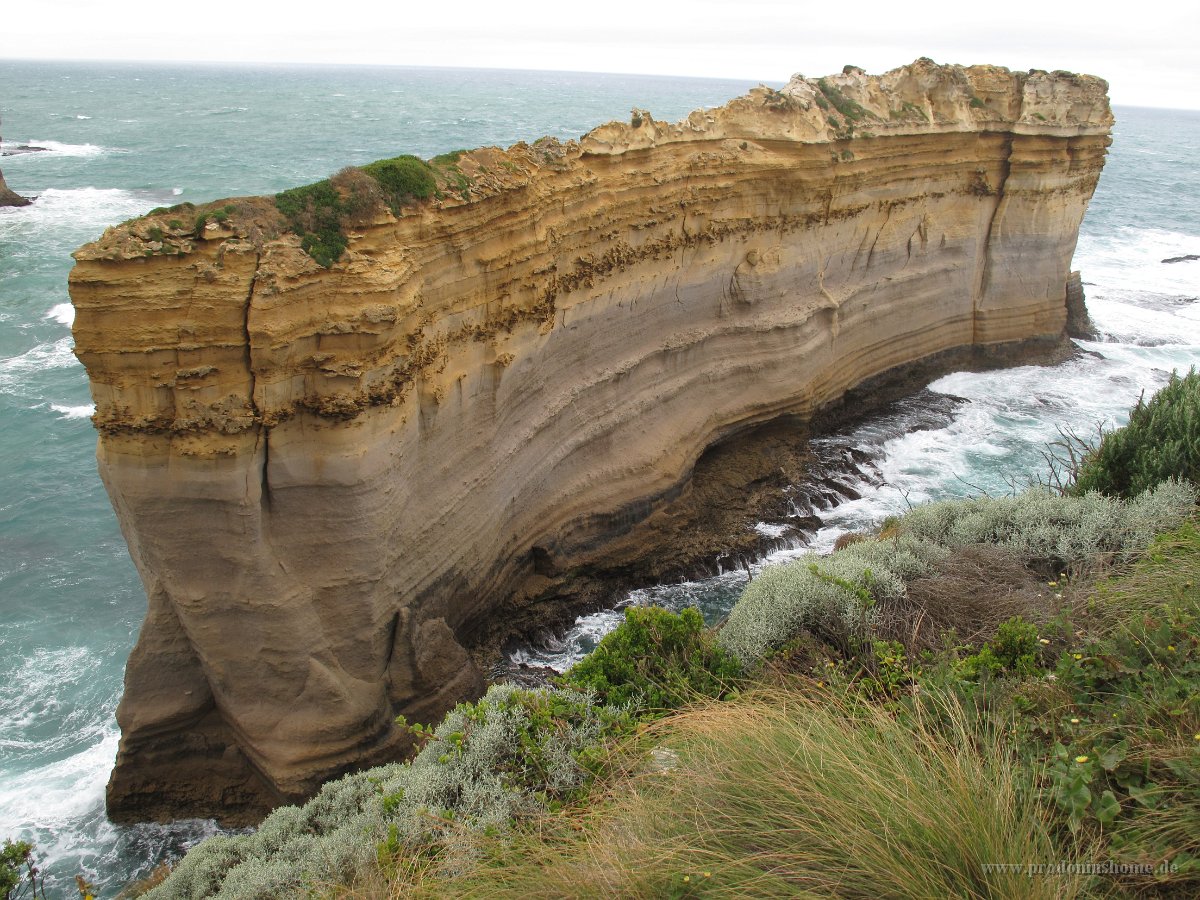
(479, 771)
(836, 596)
(840, 595)
(1045, 528)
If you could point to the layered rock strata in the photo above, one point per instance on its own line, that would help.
(328, 478)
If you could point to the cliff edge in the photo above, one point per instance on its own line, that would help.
(330, 475)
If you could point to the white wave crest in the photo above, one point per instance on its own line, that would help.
(60, 791)
(57, 147)
(58, 355)
(62, 313)
(81, 211)
(1132, 259)
(74, 412)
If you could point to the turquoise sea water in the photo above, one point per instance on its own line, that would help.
(124, 138)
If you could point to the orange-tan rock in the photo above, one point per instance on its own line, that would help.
(328, 477)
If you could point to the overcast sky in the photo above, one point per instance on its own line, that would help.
(1149, 51)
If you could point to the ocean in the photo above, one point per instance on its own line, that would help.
(121, 139)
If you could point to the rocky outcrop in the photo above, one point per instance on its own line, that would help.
(9, 197)
(1079, 323)
(329, 479)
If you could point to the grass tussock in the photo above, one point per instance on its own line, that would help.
(783, 794)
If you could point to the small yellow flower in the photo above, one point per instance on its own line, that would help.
(1074, 721)
(1081, 759)
(1114, 715)
(1043, 641)
(1196, 737)
(687, 878)
(1171, 647)
(1077, 655)
(708, 874)
(820, 684)
(1052, 583)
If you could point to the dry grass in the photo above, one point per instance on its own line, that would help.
(972, 592)
(781, 795)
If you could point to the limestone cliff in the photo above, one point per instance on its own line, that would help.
(329, 477)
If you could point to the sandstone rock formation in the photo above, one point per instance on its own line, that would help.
(329, 478)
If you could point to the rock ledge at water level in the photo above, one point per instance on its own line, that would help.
(330, 479)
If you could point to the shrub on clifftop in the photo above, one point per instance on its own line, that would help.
(513, 755)
(1161, 440)
(403, 179)
(655, 660)
(842, 597)
(318, 211)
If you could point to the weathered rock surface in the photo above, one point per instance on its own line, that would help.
(329, 479)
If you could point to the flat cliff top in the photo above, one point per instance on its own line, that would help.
(920, 98)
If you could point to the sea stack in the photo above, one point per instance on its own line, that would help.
(331, 478)
(9, 197)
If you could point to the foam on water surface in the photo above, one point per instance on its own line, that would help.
(62, 313)
(15, 151)
(85, 411)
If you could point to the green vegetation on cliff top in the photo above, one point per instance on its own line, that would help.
(319, 212)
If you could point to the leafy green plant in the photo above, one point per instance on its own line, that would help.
(488, 765)
(655, 660)
(448, 159)
(1013, 651)
(784, 795)
(403, 179)
(1162, 440)
(19, 875)
(317, 211)
(851, 110)
(891, 672)
(314, 212)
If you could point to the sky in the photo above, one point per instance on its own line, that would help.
(1148, 50)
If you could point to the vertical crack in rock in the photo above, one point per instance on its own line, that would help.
(985, 263)
(264, 430)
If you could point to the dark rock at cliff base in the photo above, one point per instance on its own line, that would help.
(1079, 324)
(1189, 258)
(10, 198)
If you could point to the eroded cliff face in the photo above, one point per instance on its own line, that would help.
(328, 477)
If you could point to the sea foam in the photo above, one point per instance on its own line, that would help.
(62, 313)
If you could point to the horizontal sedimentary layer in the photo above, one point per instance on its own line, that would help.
(327, 475)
